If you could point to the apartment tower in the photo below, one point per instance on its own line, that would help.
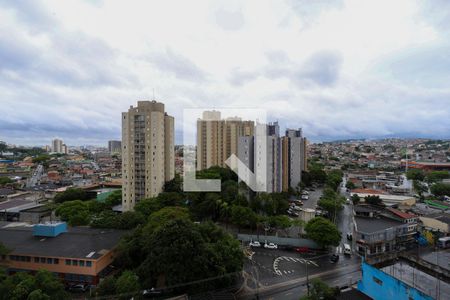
(57, 146)
(147, 152)
(218, 138)
(293, 158)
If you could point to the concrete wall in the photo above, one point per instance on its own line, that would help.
(379, 285)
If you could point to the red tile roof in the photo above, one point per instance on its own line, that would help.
(401, 214)
(367, 191)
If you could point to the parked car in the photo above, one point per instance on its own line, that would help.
(302, 249)
(78, 288)
(254, 244)
(296, 201)
(270, 246)
(349, 236)
(334, 258)
(293, 213)
(305, 197)
(151, 293)
(295, 207)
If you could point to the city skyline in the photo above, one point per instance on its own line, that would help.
(347, 75)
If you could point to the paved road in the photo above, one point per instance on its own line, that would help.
(36, 177)
(282, 274)
(313, 198)
(287, 277)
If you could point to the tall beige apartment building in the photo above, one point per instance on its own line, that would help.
(148, 158)
(217, 138)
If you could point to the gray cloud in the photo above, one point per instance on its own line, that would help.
(178, 65)
(321, 68)
(229, 20)
(239, 77)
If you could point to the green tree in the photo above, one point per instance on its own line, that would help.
(127, 284)
(415, 174)
(243, 216)
(331, 201)
(323, 232)
(355, 199)
(44, 285)
(350, 185)
(174, 185)
(440, 189)
(5, 180)
(436, 176)
(107, 286)
(321, 291)
(373, 200)
(115, 198)
(75, 213)
(334, 179)
(38, 295)
(41, 158)
(148, 206)
(71, 194)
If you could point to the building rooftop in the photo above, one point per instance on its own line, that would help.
(370, 225)
(352, 294)
(443, 217)
(365, 208)
(400, 214)
(78, 242)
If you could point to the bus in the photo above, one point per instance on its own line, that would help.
(444, 242)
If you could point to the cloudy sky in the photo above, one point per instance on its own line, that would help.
(338, 69)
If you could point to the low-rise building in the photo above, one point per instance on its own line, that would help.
(381, 232)
(77, 254)
(436, 222)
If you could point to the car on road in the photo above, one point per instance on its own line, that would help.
(347, 249)
(270, 246)
(334, 258)
(254, 244)
(78, 288)
(349, 236)
(302, 249)
(348, 201)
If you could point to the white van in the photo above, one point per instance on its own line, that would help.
(347, 249)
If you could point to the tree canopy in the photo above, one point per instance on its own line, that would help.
(321, 291)
(71, 194)
(373, 200)
(440, 189)
(170, 249)
(23, 286)
(323, 232)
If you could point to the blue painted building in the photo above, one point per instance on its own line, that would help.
(380, 286)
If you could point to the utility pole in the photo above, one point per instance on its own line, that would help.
(307, 277)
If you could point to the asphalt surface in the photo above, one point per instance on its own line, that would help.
(281, 274)
(36, 177)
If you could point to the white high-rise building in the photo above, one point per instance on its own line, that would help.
(57, 146)
(148, 158)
